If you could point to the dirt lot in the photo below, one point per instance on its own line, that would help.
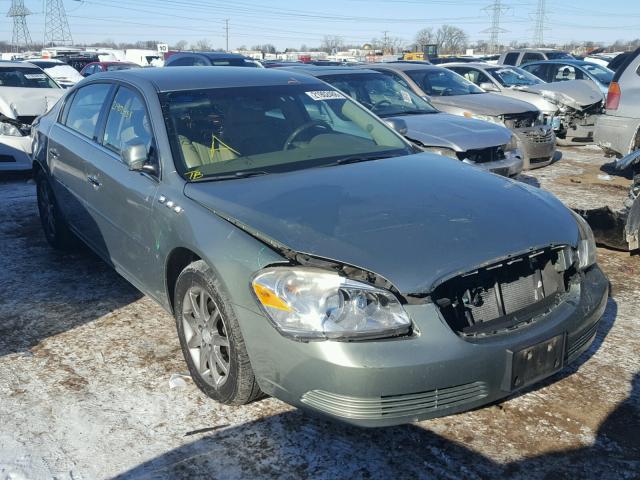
(85, 363)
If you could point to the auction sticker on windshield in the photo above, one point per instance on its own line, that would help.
(35, 76)
(325, 95)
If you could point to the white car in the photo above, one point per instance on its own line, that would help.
(25, 93)
(65, 75)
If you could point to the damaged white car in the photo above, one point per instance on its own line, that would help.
(571, 107)
(25, 93)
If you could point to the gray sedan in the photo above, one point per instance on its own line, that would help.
(453, 94)
(320, 260)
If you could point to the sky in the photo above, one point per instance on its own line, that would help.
(291, 24)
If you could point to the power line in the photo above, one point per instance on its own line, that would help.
(541, 17)
(496, 10)
(21, 35)
(56, 25)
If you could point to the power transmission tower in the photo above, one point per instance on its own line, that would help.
(495, 10)
(541, 17)
(21, 36)
(56, 25)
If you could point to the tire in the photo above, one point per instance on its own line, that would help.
(210, 335)
(55, 228)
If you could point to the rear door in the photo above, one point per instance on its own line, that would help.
(71, 143)
(123, 200)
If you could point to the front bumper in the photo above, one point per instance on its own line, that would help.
(538, 145)
(616, 135)
(510, 166)
(431, 374)
(15, 153)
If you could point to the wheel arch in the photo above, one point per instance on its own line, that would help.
(177, 260)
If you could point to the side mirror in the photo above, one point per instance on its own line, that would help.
(489, 87)
(135, 156)
(398, 125)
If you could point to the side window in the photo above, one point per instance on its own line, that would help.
(565, 72)
(85, 108)
(473, 75)
(537, 70)
(511, 58)
(127, 122)
(90, 69)
(199, 62)
(531, 57)
(183, 62)
(396, 77)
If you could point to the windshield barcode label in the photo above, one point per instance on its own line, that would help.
(325, 95)
(35, 76)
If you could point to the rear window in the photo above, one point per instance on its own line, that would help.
(442, 83)
(511, 58)
(25, 77)
(559, 56)
(123, 66)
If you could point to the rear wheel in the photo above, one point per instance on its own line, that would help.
(55, 228)
(210, 338)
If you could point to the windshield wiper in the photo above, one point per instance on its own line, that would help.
(357, 159)
(232, 176)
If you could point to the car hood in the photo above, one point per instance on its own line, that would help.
(415, 220)
(17, 102)
(485, 103)
(454, 132)
(576, 94)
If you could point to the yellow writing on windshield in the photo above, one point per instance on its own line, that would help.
(194, 174)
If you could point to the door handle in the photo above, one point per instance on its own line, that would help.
(93, 180)
(54, 153)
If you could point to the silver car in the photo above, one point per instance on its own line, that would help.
(570, 107)
(487, 145)
(618, 131)
(453, 94)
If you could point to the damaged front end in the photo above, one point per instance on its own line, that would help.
(578, 103)
(18, 127)
(619, 229)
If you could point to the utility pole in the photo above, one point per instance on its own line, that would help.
(21, 36)
(385, 42)
(495, 10)
(56, 25)
(541, 16)
(226, 30)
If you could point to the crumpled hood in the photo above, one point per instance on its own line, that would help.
(455, 132)
(485, 103)
(17, 101)
(414, 219)
(576, 94)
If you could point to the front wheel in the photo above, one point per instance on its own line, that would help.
(210, 338)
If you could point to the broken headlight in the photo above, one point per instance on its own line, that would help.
(445, 152)
(586, 243)
(310, 303)
(9, 130)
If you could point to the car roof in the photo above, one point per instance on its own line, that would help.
(570, 61)
(52, 61)
(194, 78)
(403, 67)
(472, 64)
(318, 71)
(17, 64)
(212, 55)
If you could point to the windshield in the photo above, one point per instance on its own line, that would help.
(558, 56)
(442, 83)
(513, 77)
(380, 94)
(602, 74)
(121, 66)
(228, 131)
(25, 77)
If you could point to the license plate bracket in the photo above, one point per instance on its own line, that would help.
(536, 362)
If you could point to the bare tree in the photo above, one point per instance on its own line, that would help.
(180, 45)
(424, 37)
(331, 43)
(203, 45)
(451, 39)
(266, 48)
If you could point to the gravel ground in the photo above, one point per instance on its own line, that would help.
(85, 363)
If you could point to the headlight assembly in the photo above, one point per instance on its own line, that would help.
(311, 303)
(9, 130)
(498, 120)
(512, 145)
(445, 152)
(586, 243)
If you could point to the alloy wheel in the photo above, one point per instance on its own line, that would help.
(205, 333)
